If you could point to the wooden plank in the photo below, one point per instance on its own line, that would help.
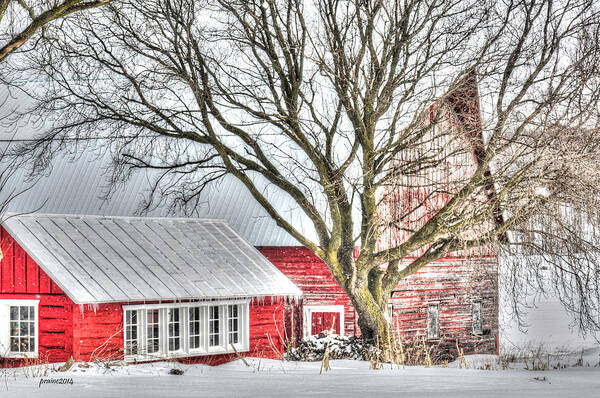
(20, 270)
(33, 275)
(6, 264)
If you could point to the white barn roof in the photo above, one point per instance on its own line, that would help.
(78, 186)
(96, 259)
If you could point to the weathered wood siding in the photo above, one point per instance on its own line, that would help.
(313, 277)
(453, 282)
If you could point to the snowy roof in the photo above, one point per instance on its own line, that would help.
(96, 259)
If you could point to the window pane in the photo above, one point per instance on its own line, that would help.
(14, 344)
(14, 313)
(174, 330)
(153, 340)
(213, 326)
(14, 328)
(476, 318)
(194, 326)
(22, 328)
(232, 324)
(131, 332)
(433, 321)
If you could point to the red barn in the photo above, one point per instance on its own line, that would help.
(135, 289)
(452, 301)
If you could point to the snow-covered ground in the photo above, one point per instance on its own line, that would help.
(270, 378)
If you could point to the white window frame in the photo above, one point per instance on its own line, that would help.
(477, 328)
(308, 311)
(430, 333)
(5, 305)
(160, 331)
(185, 349)
(219, 334)
(239, 318)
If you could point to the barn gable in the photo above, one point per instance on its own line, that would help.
(123, 259)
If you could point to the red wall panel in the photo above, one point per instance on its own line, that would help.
(313, 277)
(454, 282)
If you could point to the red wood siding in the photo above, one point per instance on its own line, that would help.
(21, 278)
(454, 282)
(98, 331)
(19, 273)
(88, 331)
(313, 277)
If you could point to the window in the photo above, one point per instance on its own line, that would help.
(433, 321)
(153, 334)
(174, 329)
(131, 332)
(317, 318)
(22, 329)
(194, 328)
(18, 328)
(184, 329)
(476, 318)
(213, 326)
(233, 331)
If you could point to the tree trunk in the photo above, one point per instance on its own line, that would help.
(370, 302)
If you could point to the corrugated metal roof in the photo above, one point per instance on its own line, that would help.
(97, 259)
(78, 185)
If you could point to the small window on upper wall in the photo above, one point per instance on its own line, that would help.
(476, 318)
(433, 321)
(18, 328)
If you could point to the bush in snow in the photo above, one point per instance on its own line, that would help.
(340, 347)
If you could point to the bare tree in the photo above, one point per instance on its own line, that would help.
(21, 20)
(340, 105)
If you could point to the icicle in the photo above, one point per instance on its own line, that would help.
(82, 310)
